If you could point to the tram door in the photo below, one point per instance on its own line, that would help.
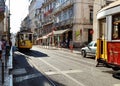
(101, 41)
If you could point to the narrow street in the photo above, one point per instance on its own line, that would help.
(56, 67)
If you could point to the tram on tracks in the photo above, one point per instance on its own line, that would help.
(108, 42)
(24, 40)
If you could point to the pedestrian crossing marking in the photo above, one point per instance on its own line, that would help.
(26, 77)
(68, 71)
(19, 71)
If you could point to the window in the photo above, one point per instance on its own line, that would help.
(91, 16)
(71, 12)
(103, 29)
(116, 27)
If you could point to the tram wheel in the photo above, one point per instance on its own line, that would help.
(115, 68)
(116, 75)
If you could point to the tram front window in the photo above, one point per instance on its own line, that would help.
(21, 37)
(26, 37)
(30, 37)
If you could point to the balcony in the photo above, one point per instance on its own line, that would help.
(64, 22)
(46, 3)
(63, 6)
(48, 12)
(47, 22)
(72, 21)
(82, 21)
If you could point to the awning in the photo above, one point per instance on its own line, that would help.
(58, 32)
(49, 34)
(43, 37)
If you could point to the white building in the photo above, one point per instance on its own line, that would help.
(34, 4)
(77, 16)
(33, 24)
(66, 20)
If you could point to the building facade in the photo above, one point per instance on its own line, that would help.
(25, 24)
(47, 22)
(56, 22)
(33, 22)
(68, 20)
(4, 23)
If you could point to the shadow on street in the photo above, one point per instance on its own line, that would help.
(20, 62)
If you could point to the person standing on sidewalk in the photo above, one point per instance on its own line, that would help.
(71, 45)
(8, 47)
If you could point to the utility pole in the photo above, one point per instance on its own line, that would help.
(9, 20)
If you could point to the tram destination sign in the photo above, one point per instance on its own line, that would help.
(2, 5)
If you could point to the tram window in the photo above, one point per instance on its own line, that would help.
(26, 37)
(30, 37)
(116, 28)
(21, 37)
(102, 27)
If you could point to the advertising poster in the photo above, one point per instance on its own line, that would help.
(77, 35)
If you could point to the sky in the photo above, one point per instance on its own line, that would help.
(18, 11)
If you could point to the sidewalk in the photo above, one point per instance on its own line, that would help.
(6, 79)
(75, 50)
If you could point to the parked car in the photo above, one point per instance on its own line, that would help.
(90, 49)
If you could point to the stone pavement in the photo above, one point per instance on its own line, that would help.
(6, 79)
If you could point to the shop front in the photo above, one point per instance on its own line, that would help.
(62, 37)
(59, 38)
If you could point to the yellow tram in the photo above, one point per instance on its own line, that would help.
(24, 40)
(108, 42)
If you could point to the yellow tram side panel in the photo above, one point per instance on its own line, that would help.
(101, 47)
(28, 44)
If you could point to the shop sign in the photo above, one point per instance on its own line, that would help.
(2, 5)
(77, 35)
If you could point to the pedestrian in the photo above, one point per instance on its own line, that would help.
(71, 45)
(1, 44)
(8, 47)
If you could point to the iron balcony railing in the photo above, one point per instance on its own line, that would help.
(82, 21)
(63, 6)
